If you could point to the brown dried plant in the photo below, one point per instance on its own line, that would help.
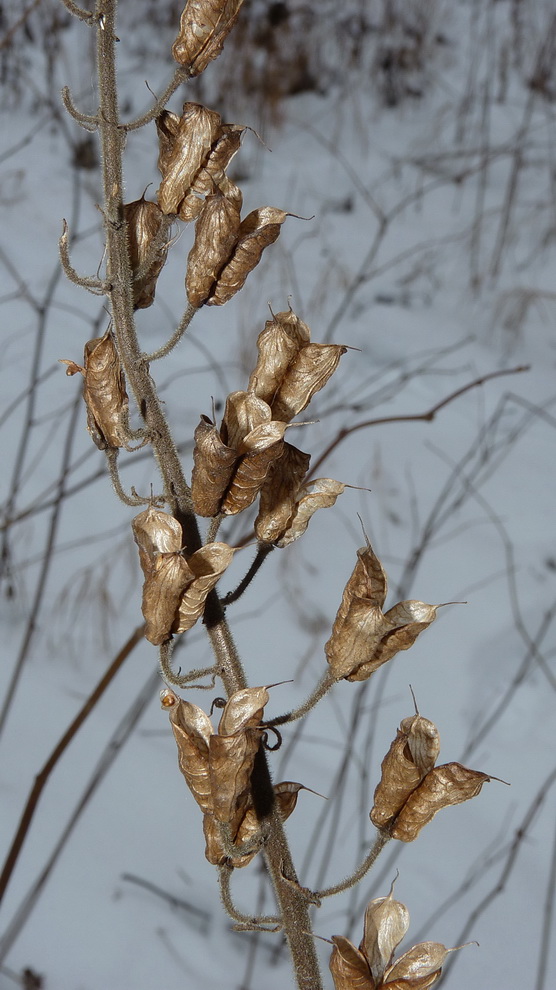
(244, 460)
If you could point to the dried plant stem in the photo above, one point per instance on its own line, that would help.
(367, 864)
(262, 553)
(43, 775)
(292, 904)
(176, 336)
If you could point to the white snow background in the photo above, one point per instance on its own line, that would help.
(429, 250)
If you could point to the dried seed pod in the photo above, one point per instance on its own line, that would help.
(363, 637)
(349, 968)
(449, 784)
(244, 412)
(278, 344)
(212, 174)
(412, 754)
(192, 731)
(309, 371)
(204, 27)
(162, 593)
(386, 924)
(215, 850)
(155, 532)
(278, 494)
(231, 766)
(213, 466)
(216, 232)
(243, 710)
(318, 494)
(259, 229)
(261, 447)
(207, 566)
(419, 967)
(185, 145)
(286, 794)
(104, 392)
(144, 220)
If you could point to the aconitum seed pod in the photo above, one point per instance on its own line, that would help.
(204, 27)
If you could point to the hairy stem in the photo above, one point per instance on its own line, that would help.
(291, 900)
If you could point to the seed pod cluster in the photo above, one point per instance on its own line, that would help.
(248, 454)
(175, 589)
(195, 150)
(217, 767)
(232, 248)
(412, 789)
(144, 220)
(104, 392)
(363, 636)
(204, 27)
(371, 966)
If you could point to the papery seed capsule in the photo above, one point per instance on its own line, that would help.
(318, 494)
(309, 371)
(216, 233)
(386, 924)
(207, 566)
(192, 730)
(213, 466)
(204, 27)
(449, 784)
(278, 344)
(162, 593)
(349, 968)
(185, 146)
(155, 532)
(259, 229)
(144, 220)
(412, 754)
(104, 393)
(278, 494)
(260, 448)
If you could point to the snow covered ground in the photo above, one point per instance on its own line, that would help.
(430, 252)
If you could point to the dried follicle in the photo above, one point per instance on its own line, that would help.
(278, 344)
(216, 232)
(279, 492)
(204, 27)
(443, 786)
(207, 566)
(185, 144)
(412, 754)
(104, 392)
(308, 373)
(243, 413)
(259, 449)
(258, 230)
(213, 467)
(318, 494)
(363, 636)
(371, 966)
(144, 220)
(246, 828)
(217, 766)
(162, 593)
(155, 532)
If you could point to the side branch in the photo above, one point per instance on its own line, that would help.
(416, 417)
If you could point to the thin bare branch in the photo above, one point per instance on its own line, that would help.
(183, 325)
(90, 282)
(89, 122)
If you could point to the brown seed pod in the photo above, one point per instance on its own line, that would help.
(386, 924)
(309, 371)
(216, 232)
(184, 147)
(419, 967)
(278, 344)
(259, 229)
(213, 173)
(104, 392)
(260, 448)
(363, 637)
(349, 968)
(207, 566)
(213, 466)
(192, 731)
(278, 494)
(204, 27)
(449, 784)
(318, 494)
(143, 221)
(162, 593)
(244, 412)
(412, 754)
(155, 532)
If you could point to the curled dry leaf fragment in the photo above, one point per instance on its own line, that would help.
(449, 784)
(371, 967)
(363, 636)
(412, 754)
(259, 229)
(204, 27)
(144, 220)
(104, 392)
